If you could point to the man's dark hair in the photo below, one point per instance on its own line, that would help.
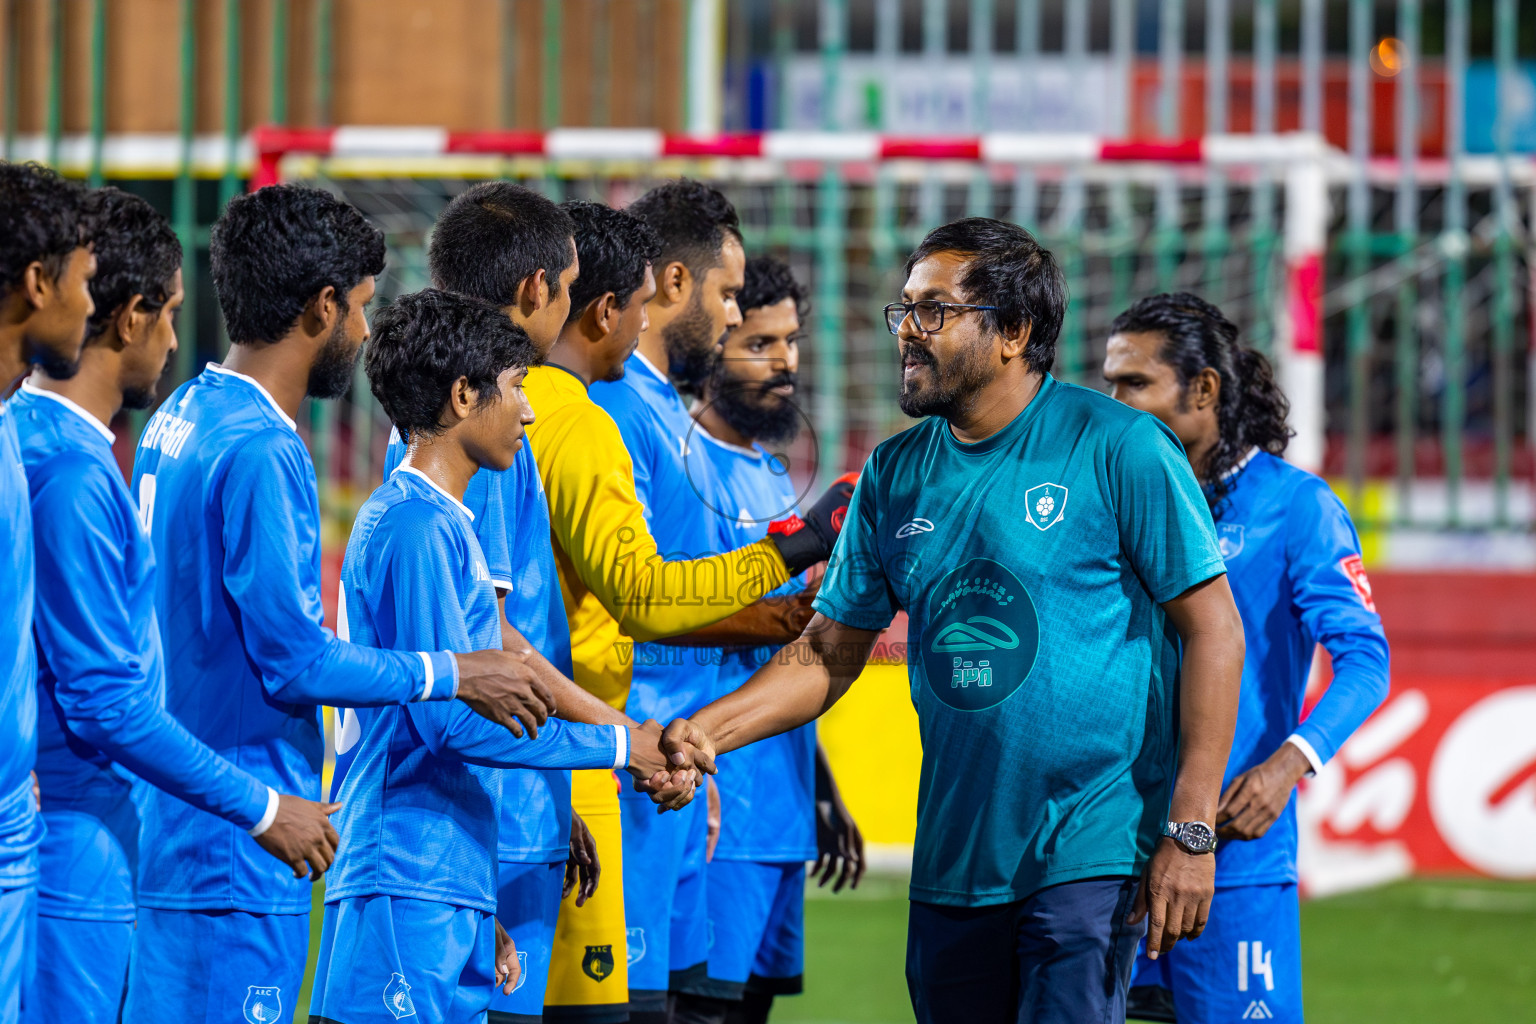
(1005, 267)
(692, 220)
(492, 236)
(137, 253)
(425, 341)
(614, 248)
(40, 212)
(768, 282)
(276, 248)
(1251, 409)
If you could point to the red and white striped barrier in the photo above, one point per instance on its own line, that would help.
(272, 144)
(1299, 157)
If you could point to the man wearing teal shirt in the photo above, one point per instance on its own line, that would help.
(1075, 654)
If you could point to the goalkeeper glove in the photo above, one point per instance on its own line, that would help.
(803, 542)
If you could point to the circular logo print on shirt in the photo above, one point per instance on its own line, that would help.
(981, 638)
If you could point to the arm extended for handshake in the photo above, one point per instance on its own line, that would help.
(1177, 887)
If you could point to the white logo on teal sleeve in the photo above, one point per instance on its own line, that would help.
(981, 636)
(1045, 504)
(914, 528)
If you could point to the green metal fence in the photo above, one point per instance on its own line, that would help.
(1428, 383)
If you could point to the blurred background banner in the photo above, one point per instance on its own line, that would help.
(1352, 181)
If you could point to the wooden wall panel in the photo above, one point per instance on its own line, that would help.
(399, 62)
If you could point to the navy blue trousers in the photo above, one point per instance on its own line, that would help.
(1062, 956)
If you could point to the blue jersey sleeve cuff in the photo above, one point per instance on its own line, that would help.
(269, 817)
(441, 676)
(621, 751)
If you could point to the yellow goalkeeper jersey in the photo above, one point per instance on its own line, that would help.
(617, 587)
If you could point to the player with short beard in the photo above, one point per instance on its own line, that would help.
(45, 271)
(227, 493)
(779, 806)
(1028, 528)
(697, 274)
(47, 265)
(617, 586)
(1294, 560)
(505, 244)
(100, 670)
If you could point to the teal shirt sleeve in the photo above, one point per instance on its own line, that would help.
(1165, 524)
(856, 590)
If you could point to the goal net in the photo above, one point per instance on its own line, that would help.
(1215, 217)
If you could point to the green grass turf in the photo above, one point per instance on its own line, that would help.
(1421, 952)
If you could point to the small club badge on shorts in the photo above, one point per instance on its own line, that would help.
(522, 971)
(1045, 504)
(397, 997)
(263, 1004)
(634, 946)
(598, 963)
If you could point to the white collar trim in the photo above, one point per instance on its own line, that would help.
(101, 428)
(433, 484)
(652, 367)
(216, 368)
(750, 453)
(1242, 464)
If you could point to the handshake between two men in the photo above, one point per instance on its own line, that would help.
(519, 689)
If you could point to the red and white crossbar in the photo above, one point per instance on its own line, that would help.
(272, 144)
(1300, 157)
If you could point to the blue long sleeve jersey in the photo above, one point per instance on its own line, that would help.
(422, 795)
(227, 492)
(1293, 560)
(21, 828)
(512, 525)
(101, 679)
(768, 788)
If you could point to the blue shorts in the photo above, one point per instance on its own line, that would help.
(18, 948)
(756, 928)
(665, 906)
(527, 905)
(82, 970)
(1062, 956)
(223, 965)
(387, 957)
(1246, 965)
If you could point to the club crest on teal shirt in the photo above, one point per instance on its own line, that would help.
(1045, 504)
(981, 636)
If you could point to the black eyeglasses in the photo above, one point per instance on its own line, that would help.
(928, 314)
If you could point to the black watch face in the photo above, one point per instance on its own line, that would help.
(1198, 835)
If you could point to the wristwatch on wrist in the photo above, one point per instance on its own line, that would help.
(1194, 836)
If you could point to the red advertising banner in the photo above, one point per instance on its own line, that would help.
(1441, 779)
